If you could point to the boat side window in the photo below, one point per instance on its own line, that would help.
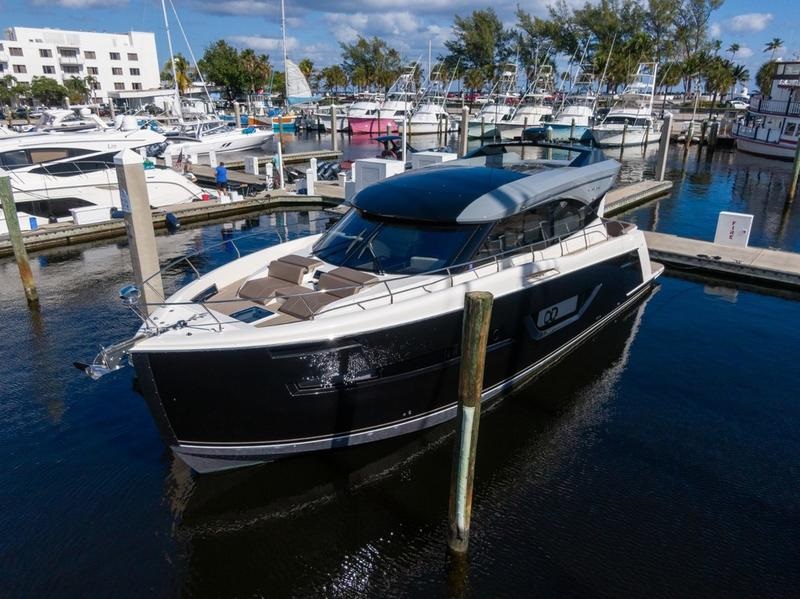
(14, 159)
(541, 226)
(791, 129)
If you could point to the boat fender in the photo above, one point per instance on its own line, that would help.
(173, 222)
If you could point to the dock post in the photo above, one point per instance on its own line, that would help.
(406, 133)
(689, 133)
(237, 114)
(464, 131)
(280, 125)
(483, 128)
(474, 336)
(388, 129)
(624, 135)
(795, 174)
(713, 133)
(572, 131)
(15, 235)
(703, 129)
(334, 139)
(522, 137)
(280, 165)
(139, 226)
(663, 147)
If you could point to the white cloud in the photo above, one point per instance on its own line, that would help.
(80, 4)
(744, 52)
(714, 30)
(263, 44)
(754, 21)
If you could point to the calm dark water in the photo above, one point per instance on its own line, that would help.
(660, 459)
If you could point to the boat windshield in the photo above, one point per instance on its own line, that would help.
(365, 243)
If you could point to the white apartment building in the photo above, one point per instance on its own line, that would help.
(117, 61)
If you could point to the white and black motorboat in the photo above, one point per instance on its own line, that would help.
(353, 336)
(213, 135)
(50, 190)
(29, 149)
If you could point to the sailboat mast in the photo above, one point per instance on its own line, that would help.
(172, 62)
(285, 58)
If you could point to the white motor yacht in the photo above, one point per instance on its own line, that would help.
(50, 190)
(398, 105)
(430, 115)
(218, 136)
(499, 108)
(354, 336)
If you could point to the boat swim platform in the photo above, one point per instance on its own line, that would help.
(66, 234)
(759, 266)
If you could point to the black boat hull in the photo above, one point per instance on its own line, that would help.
(222, 409)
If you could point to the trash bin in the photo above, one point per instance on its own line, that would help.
(33, 222)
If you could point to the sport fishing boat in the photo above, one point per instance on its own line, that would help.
(498, 108)
(630, 121)
(573, 117)
(430, 115)
(366, 106)
(354, 335)
(771, 126)
(398, 105)
(533, 107)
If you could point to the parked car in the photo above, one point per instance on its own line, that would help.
(738, 104)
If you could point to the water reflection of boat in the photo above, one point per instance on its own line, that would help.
(359, 329)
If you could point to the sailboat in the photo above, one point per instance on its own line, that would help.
(297, 89)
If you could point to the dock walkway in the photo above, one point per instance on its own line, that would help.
(772, 268)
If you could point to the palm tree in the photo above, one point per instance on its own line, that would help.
(181, 73)
(733, 49)
(773, 46)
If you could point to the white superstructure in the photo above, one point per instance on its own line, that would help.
(117, 61)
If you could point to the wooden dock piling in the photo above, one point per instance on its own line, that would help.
(464, 131)
(663, 147)
(795, 174)
(237, 114)
(334, 139)
(139, 226)
(15, 235)
(622, 145)
(474, 336)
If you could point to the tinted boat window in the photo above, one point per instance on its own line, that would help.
(391, 247)
(542, 226)
(14, 158)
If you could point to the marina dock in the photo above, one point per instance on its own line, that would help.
(58, 235)
(763, 266)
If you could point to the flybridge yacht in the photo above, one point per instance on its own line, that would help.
(354, 335)
(398, 104)
(73, 119)
(50, 190)
(500, 108)
(630, 122)
(33, 148)
(214, 135)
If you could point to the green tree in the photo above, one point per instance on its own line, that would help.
(765, 75)
(48, 91)
(8, 95)
(692, 25)
(719, 77)
(479, 42)
(334, 78)
(306, 67)
(77, 90)
(733, 49)
(256, 70)
(182, 72)
(371, 62)
(222, 66)
(773, 46)
(660, 23)
(474, 79)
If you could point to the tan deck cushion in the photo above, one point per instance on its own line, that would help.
(356, 276)
(307, 262)
(264, 289)
(288, 272)
(306, 305)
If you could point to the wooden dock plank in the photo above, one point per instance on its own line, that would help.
(626, 197)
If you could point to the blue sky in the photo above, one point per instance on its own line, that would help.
(315, 27)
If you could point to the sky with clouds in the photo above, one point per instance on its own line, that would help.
(316, 27)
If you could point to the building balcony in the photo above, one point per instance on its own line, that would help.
(69, 59)
(778, 107)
